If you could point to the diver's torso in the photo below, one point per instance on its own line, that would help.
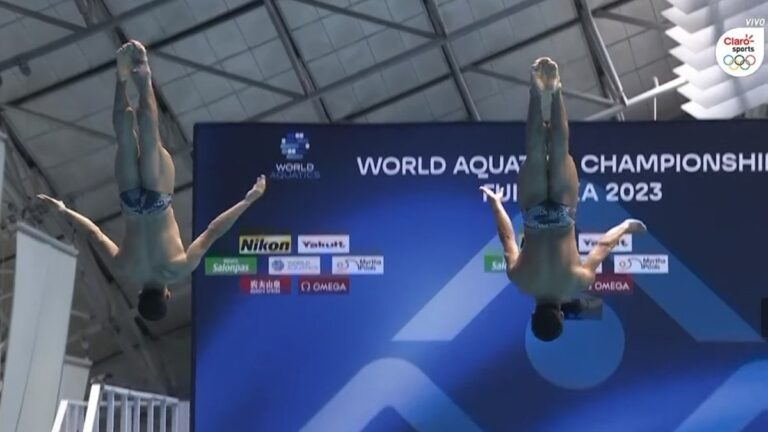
(151, 250)
(548, 265)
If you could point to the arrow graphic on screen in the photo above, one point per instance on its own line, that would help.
(391, 383)
(748, 386)
(454, 306)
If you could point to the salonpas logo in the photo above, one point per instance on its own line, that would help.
(227, 266)
(494, 264)
(740, 51)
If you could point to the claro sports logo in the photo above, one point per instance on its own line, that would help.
(265, 245)
(740, 51)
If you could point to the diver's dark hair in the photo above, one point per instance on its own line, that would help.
(547, 322)
(152, 303)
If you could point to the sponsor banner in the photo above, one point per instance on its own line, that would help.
(293, 265)
(588, 241)
(358, 265)
(265, 285)
(265, 244)
(641, 264)
(323, 244)
(599, 267)
(494, 264)
(229, 266)
(612, 284)
(323, 285)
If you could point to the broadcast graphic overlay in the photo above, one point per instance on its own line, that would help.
(366, 289)
(740, 51)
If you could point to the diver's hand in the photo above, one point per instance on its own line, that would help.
(257, 190)
(52, 203)
(493, 197)
(635, 226)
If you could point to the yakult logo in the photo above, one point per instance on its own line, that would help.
(588, 241)
(740, 51)
(323, 244)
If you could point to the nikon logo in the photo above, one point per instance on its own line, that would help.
(265, 245)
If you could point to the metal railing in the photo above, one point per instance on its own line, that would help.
(112, 409)
(70, 416)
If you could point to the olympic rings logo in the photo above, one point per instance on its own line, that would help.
(739, 62)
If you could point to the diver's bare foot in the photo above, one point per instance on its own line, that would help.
(124, 57)
(544, 75)
(140, 71)
(545, 81)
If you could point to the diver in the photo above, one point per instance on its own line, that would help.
(548, 267)
(151, 253)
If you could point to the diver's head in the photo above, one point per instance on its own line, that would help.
(153, 302)
(547, 321)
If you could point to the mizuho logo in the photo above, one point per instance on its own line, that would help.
(265, 245)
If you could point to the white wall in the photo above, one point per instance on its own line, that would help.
(43, 287)
(74, 378)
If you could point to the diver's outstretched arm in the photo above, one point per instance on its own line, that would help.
(219, 226)
(84, 224)
(504, 227)
(609, 240)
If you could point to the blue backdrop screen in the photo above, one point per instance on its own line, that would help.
(366, 290)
